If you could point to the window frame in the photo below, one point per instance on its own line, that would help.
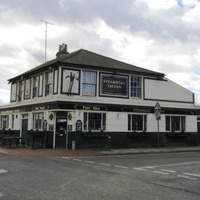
(49, 83)
(83, 84)
(175, 123)
(135, 87)
(38, 119)
(27, 89)
(13, 96)
(137, 128)
(35, 87)
(87, 123)
(67, 81)
(4, 119)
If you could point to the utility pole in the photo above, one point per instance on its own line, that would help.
(45, 50)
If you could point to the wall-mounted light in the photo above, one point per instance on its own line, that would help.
(51, 116)
(69, 116)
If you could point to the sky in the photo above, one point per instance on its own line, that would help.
(160, 35)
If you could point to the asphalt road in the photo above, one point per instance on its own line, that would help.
(142, 177)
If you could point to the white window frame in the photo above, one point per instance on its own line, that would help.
(136, 87)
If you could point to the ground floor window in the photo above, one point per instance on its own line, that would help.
(4, 121)
(94, 121)
(137, 122)
(175, 123)
(38, 119)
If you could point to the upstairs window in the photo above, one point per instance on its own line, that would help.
(35, 86)
(89, 80)
(49, 83)
(13, 92)
(27, 93)
(70, 82)
(137, 122)
(40, 88)
(135, 87)
(21, 91)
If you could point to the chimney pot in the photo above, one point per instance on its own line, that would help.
(62, 50)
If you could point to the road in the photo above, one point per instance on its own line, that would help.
(141, 177)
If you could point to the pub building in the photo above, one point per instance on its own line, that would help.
(86, 100)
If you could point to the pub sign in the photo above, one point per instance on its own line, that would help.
(113, 85)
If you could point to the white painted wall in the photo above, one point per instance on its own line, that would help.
(191, 123)
(116, 121)
(166, 90)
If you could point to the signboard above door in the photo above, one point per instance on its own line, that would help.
(113, 85)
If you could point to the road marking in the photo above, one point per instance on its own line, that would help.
(3, 171)
(189, 174)
(141, 169)
(66, 158)
(119, 166)
(170, 165)
(167, 170)
(159, 172)
(75, 159)
(151, 167)
(105, 164)
(91, 162)
(187, 177)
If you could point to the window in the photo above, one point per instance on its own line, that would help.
(13, 121)
(4, 121)
(13, 92)
(175, 123)
(38, 119)
(89, 83)
(55, 87)
(137, 122)
(27, 89)
(70, 82)
(94, 121)
(35, 86)
(40, 85)
(49, 83)
(21, 91)
(136, 86)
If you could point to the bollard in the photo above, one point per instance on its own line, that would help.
(73, 145)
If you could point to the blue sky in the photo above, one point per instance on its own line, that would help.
(160, 35)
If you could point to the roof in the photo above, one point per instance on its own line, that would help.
(87, 58)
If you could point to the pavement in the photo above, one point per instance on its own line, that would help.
(29, 152)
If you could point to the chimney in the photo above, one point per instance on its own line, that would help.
(62, 50)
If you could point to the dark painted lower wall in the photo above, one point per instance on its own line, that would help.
(86, 140)
(131, 140)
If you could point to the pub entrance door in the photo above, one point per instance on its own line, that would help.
(61, 130)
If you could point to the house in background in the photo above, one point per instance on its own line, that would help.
(90, 100)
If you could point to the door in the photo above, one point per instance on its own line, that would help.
(24, 129)
(198, 132)
(61, 130)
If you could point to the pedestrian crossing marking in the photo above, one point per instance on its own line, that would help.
(3, 171)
